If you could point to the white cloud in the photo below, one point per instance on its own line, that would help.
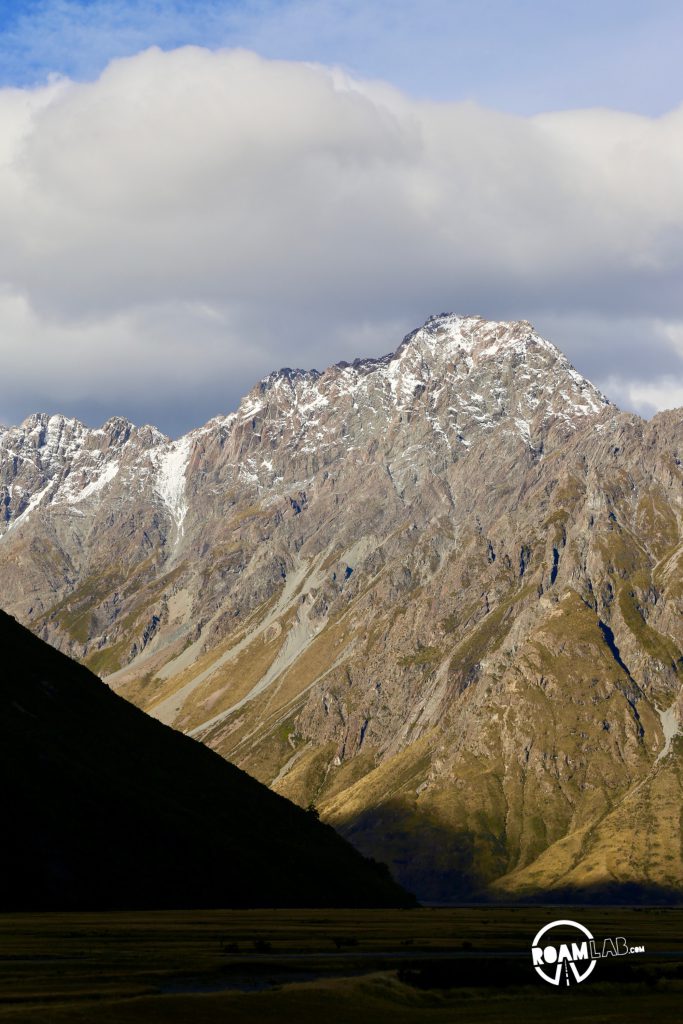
(197, 215)
(647, 398)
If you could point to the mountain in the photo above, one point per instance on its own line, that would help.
(438, 594)
(105, 807)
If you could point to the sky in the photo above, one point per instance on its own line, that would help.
(192, 195)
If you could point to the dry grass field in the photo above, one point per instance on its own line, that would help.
(450, 965)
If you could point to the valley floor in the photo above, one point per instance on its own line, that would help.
(468, 964)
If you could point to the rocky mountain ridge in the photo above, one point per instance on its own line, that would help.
(55, 460)
(437, 593)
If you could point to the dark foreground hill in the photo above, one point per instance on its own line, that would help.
(105, 807)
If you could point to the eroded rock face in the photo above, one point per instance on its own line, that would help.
(438, 594)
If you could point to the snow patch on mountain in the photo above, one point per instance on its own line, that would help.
(33, 504)
(106, 476)
(171, 468)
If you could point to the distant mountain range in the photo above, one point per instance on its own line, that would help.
(107, 808)
(438, 594)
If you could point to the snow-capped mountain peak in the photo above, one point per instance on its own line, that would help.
(450, 383)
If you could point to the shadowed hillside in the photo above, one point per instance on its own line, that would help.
(108, 808)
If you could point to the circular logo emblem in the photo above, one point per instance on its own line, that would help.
(556, 957)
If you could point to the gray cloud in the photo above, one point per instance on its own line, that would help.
(191, 220)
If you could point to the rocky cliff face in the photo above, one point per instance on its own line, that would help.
(438, 594)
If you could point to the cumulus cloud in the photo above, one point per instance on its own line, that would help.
(192, 219)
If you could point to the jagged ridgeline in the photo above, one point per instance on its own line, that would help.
(437, 594)
(106, 807)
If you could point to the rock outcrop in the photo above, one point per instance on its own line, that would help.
(437, 594)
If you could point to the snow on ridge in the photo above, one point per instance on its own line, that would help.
(317, 401)
(33, 504)
(249, 406)
(524, 430)
(105, 477)
(470, 341)
(477, 336)
(446, 348)
(171, 467)
(220, 422)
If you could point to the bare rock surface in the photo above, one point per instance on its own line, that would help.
(437, 594)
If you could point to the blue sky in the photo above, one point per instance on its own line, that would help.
(523, 56)
(193, 194)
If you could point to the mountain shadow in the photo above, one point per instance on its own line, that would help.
(615, 893)
(108, 808)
